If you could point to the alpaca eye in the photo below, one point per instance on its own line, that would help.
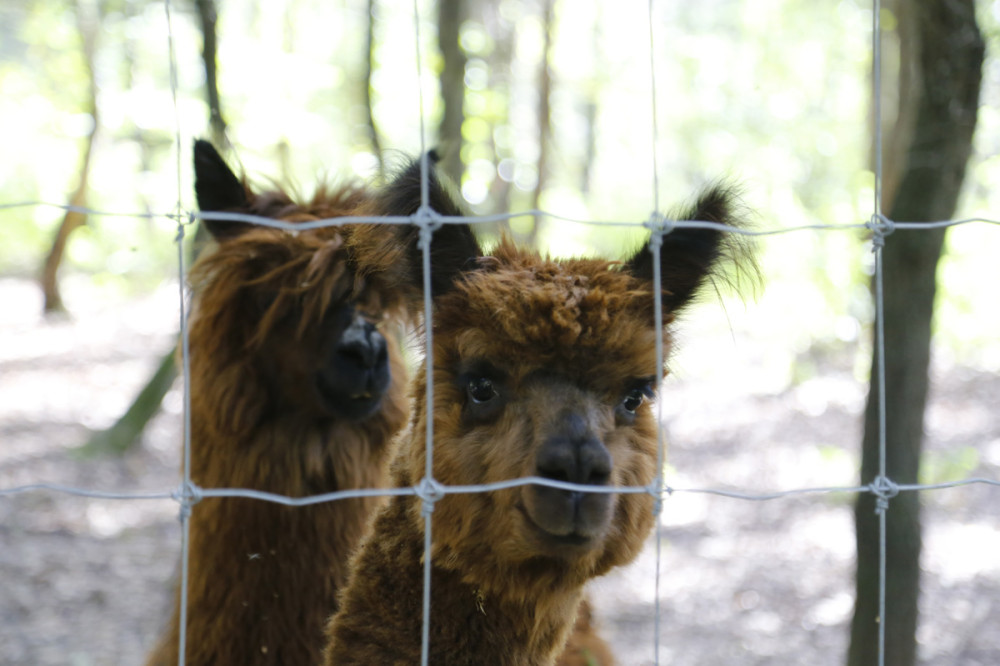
(481, 390)
(632, 400)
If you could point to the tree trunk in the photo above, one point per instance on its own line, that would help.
(209, 16)
(451, 13)
(87, 23)
(366, 86)
(126, 431)
(949, 56)
(544, 118)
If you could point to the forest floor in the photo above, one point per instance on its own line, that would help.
(87, 581)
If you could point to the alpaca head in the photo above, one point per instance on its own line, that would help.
(292, 322)
(546, 367)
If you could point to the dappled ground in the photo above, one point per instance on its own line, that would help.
(86, 581)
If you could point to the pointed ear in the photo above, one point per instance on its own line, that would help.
(454, 247)
(689, 257)
(218, 189)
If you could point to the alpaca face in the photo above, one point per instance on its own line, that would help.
(545, 369)
(289, 310)
(337, 368)
(542, 419)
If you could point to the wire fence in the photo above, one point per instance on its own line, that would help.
(187, 494)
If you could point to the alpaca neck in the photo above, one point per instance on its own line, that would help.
(264, 577)
(380, 619)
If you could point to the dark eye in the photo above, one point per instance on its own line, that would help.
(632, 400)
(481, 390)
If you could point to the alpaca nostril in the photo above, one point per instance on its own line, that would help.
(363, 344)
(555, 463)
(595, 462)
(577, 458)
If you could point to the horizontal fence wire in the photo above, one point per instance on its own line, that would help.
(192, 493)
(193, 216)
(188, 493)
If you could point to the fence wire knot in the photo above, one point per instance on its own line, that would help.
(880, 226)
(192, 218)
(657, 490)
(187, 495)
(430, 491)
(884, 490)
(660, 225)
(429, 221)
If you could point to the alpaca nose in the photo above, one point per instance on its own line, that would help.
(574, 454)
(363, 344)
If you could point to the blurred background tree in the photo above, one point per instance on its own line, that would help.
(940, 59)
(535, 103)
(772, 94)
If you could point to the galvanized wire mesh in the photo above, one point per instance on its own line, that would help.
(429, 490)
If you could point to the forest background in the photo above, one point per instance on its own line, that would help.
(556, 115)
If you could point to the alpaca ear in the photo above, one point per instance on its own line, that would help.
(218, 189)
(688, 256)
(454, 247)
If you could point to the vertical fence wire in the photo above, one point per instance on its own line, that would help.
(184, 495)
(878, 244)
(426, 220)
(655, 244)
(423, 219)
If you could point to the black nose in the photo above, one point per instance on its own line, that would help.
(362, 345)
(356, 373)
(574, 454)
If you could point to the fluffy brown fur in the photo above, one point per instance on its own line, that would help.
(585, 646)
(541, 368)
(282, 401)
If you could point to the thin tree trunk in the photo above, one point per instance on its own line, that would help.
(209, 16)
(366, 86)
(451, 13)
(544, 118)
(949, 55)
(87, 22)
(126, 431)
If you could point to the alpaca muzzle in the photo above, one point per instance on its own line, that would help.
(573, 454)
(356, 374)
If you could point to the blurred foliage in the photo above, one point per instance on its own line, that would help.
(949, 465)
(774, 94)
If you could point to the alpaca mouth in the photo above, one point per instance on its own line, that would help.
(347, 402)
(573, 539)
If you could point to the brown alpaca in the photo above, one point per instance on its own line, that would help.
(294, 390)
(541, 368)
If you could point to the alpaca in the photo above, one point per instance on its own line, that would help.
(297, 387)
(541, 368)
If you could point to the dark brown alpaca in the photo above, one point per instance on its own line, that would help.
(541, 368)
(294, 390)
